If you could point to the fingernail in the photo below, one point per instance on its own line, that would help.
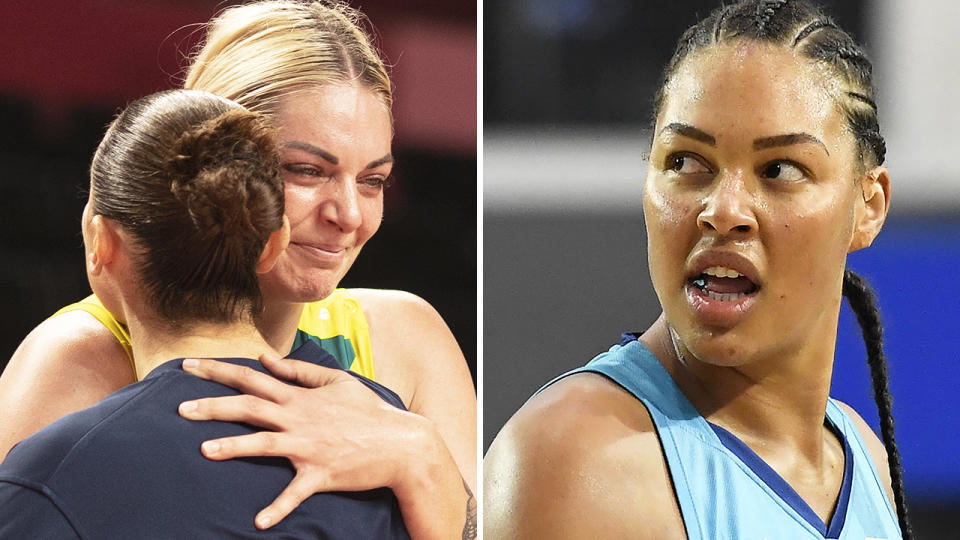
(188, 406)
(211, 447)
(264, 521)
(190, 362)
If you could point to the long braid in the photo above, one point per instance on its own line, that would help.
(864, 304)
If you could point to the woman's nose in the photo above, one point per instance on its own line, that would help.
(728, 209)
(343, 207)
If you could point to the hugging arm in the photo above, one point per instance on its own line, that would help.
(65, 364)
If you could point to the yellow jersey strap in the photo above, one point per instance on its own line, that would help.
(337, 323)
(92, 305)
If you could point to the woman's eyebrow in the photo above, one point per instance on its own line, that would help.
(378, 162)
(307, 147)
(687, 130)
(787, 140)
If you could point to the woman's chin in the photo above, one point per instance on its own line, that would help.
(299, 287)
(726, 347)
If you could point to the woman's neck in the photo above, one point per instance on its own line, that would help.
(155, 342)
(775, 401)
(278, 323)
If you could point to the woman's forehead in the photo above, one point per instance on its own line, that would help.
(344, 115)
(755, 89)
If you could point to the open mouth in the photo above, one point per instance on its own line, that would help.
(723, 284)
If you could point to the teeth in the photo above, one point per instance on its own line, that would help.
(722, 271)
(727, 297)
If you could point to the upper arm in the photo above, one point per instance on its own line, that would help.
(25, 513)
(416, 355)
(579, 460)
(878, 452)
(65, 364)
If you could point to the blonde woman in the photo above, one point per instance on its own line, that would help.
(311, 70)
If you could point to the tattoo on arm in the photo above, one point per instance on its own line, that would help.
(470, 526)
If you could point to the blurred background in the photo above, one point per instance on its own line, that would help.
(567, 88)
(68, 67)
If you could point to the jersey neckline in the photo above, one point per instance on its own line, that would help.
(766, 474)
(762, 472)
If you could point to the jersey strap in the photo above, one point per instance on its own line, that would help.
(92, 305)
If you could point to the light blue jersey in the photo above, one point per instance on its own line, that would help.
(725, 491)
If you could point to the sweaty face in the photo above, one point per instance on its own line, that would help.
(750, 203)
(335, 156)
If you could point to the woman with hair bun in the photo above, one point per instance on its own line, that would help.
(185, 209)
(765, 171)
(311, 70)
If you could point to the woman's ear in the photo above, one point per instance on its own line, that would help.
(875, 187)
(274, 247)
(101, 242)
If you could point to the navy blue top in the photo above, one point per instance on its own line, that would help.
(131, 467)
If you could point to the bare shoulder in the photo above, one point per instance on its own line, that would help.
(581, 459)
(65, 364)
(382, 305)
(410, 341)
(878, 453)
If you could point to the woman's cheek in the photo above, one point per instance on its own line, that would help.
(671, 231)
(297, 203)
(372, 217)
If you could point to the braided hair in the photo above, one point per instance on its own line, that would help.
(796, 24)
(863, 302)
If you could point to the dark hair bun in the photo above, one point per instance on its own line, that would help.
(195, 180)
(222, 170)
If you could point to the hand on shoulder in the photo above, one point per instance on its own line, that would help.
(581, 459)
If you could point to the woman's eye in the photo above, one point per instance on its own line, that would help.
(685, 164)
(305, 170)
(376, 182)
(783, 170)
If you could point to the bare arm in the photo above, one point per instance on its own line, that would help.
(580, 460)
(65, 364)
(417, 356)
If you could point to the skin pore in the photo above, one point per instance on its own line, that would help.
(752, 168)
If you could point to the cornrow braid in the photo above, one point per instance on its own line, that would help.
(766, 10)
(813, 27)
(865, 99)
(863, 302)
(795, 24)
(863, 123)
(718, 26)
